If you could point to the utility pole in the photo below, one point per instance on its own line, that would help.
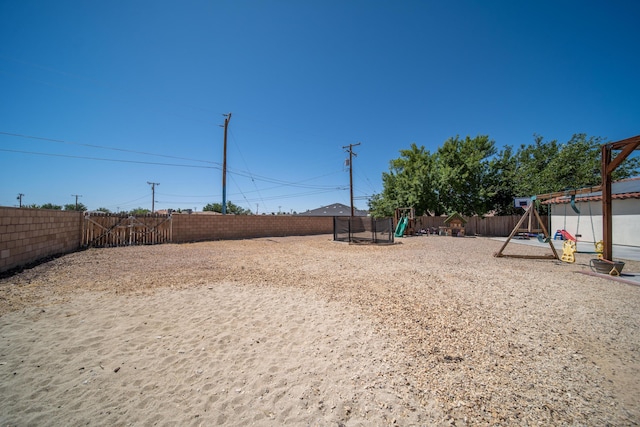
(76, 196)
(227, 117)
(351, 154)
(153, 195)
(19, 198)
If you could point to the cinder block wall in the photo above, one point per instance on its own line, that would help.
(27, 235)
(198, 227)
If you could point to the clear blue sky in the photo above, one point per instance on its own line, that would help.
(146, 83)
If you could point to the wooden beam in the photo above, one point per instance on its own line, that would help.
(619, 145)
(547, 256)
(546, 234)
(515, 230)
(576, 192)
(530, 212)
(626, 151)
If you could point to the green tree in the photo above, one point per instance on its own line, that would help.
(139, 211)
(468, 175)
(503, 177)
(409, 183)
(231, 208)
(51, 206)
(105, 210)
(579, 161)
(73, 207)
(464, 177)
(532, 171)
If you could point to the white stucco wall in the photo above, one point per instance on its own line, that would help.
(626, 221)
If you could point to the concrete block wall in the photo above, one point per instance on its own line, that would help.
(199, 227)
(27, 235)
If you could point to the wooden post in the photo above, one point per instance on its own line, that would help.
(607, 217)
(609, 164)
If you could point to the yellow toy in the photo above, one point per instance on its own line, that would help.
(568, 251)
(600, 249)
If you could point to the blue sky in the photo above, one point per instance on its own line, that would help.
(99, 98)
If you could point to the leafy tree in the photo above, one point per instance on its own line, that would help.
(575, 165)
(464, 178)
(51, 206)
(73, 207)
(105, 210)
(139, 211)
(579, 162)
(532, 171)
(468, 175)
(231, 208)
(503, 177)
(410, 182)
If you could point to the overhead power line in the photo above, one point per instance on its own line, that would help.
(106, 160)
(214, 165)
(102, 147)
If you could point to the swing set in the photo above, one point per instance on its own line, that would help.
(565, 235)
(569, 246)
(612, 156)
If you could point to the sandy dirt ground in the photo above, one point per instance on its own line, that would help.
(307, 331)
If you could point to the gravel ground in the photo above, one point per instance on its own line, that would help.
(495, 341)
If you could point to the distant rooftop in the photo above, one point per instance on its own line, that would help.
(335, 209)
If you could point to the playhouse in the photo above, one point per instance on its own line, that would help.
(453, 226)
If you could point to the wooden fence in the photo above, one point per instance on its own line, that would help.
(498, 226)
(106, 230)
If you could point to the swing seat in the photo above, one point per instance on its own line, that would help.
(568, 251)
(600, 249)
(543, 239)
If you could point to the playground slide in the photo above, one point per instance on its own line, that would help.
(402, 225)
(567, 236)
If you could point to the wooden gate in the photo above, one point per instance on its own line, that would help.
(102, 230)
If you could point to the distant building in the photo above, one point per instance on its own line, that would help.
(335, 209)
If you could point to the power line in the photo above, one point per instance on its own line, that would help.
(106, 160)
(215, 165)
(246, 166)
(251, 200)
(102, 147)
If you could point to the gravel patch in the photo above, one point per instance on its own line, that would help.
(494, 341)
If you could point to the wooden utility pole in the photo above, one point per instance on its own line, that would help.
(76, 196)
(19, 198)
(351, 154)
(153, 195)
(227, 117)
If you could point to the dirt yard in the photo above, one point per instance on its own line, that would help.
(467, 339)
